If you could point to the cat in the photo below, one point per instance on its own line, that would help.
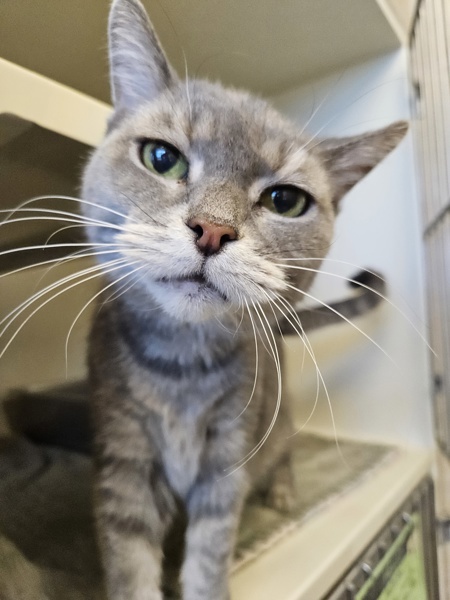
(211, 214)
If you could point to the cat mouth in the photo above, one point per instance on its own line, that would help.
(198, 278)
(197, 281)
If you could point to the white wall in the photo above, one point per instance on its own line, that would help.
(377, 228)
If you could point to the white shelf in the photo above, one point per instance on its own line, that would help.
(51, 105)
(305, 564)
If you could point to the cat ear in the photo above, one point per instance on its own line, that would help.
(347, 160)
(138, 67)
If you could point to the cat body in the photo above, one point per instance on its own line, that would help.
(200, 197)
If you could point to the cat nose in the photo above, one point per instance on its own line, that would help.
(211, 236)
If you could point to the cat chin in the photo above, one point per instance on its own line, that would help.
(189, 302)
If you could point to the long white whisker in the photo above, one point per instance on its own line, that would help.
(323, 101)
(71, 199)
(123, 289)
(49, 211)
(269, 301)
(71, 257)
(296, 318)
(346, 320)
(63, 245)
(222, 326)
(261, 338)
(308, 347)
(79, 254)
(319, 377)
(67, 217)
(367, 287)
(24, 305)
(22, 325)
(276, 359)
(94, 297)
(256, 363)
(337, 113)
(85, 225)
(55, 233)
(188, 96)
(36, 218)
(242, 317)
(79, 222)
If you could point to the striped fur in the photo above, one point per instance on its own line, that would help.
(176, 405)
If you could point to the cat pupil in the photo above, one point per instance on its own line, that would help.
(286, 199)
(163, 159)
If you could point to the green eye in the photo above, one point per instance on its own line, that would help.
(286, 200)
(164, 159)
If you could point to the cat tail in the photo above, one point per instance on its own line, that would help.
(371, 289)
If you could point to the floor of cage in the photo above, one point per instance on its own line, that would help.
(47, 543)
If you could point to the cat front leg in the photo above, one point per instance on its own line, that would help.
(214, 508)
(134, 508)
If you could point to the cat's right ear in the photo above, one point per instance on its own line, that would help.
(138, 66)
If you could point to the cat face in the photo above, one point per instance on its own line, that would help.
(205, 191)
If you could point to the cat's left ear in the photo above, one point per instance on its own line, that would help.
(138, 66)
(348, 160)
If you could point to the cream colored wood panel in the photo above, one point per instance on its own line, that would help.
(51, 105)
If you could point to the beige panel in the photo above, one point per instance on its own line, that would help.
(265, 45)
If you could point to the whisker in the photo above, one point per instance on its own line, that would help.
(62, 245)
(123, 289)
(256, 363)
(269, 299)
(178, 41)
(78, 254)
(22, 325)
(319, 378)
(307, 347)
(68, 258)
(36, 218)
(188, 96)
(297, 319)
(323, 101)
(242, 318)
(68, 217)
(139, 207)
(72, 199)
(94, 297)
(24, 305)
(345, 319)
(276, 359)
(338, 112)
(371, 289)
(106, 226)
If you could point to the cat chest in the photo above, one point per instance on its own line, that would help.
(182, 410)
(190, 441)
(183, 444)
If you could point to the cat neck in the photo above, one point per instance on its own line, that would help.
(153, 334)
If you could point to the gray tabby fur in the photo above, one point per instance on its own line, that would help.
(172, 361)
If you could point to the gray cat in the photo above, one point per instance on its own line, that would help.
(206, 196)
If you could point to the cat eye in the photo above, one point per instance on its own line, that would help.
(286, 200)
(163, 159)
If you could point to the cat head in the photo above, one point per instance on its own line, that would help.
(203, 191)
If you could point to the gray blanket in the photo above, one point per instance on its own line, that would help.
(47, 542)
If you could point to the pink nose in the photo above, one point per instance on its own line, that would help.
(211, 236)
